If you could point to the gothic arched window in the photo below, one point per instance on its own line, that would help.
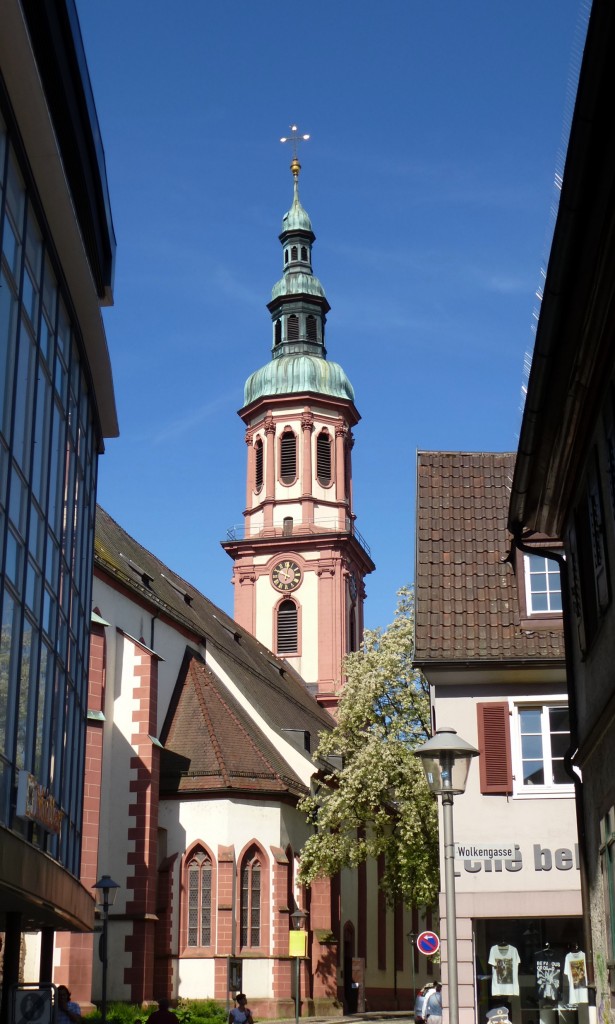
(288, 457)
(323, 458)
(251, 878)
(199, 888)
(287, 630)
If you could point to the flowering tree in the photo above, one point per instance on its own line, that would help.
(377, 801)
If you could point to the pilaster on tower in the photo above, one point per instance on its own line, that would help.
(299, 561)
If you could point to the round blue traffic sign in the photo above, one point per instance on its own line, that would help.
(428, 943)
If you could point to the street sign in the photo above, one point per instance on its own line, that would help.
(428, 943)
(32, 1005)
(297, 943)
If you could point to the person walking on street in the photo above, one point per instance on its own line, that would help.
(433, 1006)
(163, 1015)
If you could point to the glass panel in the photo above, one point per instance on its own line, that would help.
(559, 720)
(8, 330)
(206, 904)
(255, 916)
(193, 905)
(532, 747)
(7, 656)
(533, 773)
(24, 693)
(45, 676)
(559, 744)
(245, 898)
(539, 582)
(530, 719)
(14, 561)
(540, 602)
(560, 777)
(24, 400)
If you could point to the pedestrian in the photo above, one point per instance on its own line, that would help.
(163, 1015)
(67, 1011)
(241, 1014)
(419, 1004)
(433, 1006)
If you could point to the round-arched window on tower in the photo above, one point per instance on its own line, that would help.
(258, 463)
(288, 457)
(293, 252)
(323, 458)
(277, 332)
(304, 253)
(287, 632)
(310, 328)
(292, 327)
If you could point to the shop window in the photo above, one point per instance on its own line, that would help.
(323, 458)
(251, 885)
(288, 457)
(199, 889)
(607, 856)
(258, 463)
(542, 737)
(543, 588)
(287, 632)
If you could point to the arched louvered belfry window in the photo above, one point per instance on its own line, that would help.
(258, 464)
(251, 886)
(286, 255)
(287, 631)
(304, 253)
(288, 457)
(323, 458)
(292, 327)
(199, 887)
(352, 631)
(293, 252)
(277, 332)
(310, 328)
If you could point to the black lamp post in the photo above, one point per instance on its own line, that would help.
(446, 762)
(412, 937)
(106, 890)
(298, 917)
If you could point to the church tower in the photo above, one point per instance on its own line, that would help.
(300, 563)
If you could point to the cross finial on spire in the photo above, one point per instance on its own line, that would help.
(295, 138)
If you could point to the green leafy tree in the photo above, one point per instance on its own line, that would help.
(377, 801)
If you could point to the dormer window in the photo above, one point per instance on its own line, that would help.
(543, 588)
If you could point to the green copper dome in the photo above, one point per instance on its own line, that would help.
(298, 284)
(294, 374)
(296, 219)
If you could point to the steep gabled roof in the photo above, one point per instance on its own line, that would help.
(212, 744)
(467, 598)
(267, 682)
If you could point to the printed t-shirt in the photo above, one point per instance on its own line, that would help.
(505, 974)
(575, 969)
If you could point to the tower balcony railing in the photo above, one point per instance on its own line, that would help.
(247, 531)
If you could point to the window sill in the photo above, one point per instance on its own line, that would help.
(542, 621)
(542, 793)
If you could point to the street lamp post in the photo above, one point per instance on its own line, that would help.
(446, 762)
(298, 917)
(106, 890)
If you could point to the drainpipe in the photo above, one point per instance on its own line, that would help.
(558, 557)
(152, 627)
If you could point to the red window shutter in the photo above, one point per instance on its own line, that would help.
(494, 746)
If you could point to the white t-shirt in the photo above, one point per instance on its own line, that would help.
(505, 975)
(575, 969)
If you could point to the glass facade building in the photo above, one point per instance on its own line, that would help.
(47, 505)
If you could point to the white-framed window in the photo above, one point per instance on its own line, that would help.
(541, 737)
(543, 588)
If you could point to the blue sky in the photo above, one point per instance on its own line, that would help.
(437, 128)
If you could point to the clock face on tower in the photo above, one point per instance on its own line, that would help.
(286, 575)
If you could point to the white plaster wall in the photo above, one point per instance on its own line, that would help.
(280, 512)
(545, 822)
(195, 978)
(33, 957)
(257, 979)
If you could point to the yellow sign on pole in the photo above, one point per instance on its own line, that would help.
(297, 943)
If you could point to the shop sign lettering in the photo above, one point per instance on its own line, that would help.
(502, 857)
(36, 803)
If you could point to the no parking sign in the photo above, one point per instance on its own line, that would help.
(428, 943)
